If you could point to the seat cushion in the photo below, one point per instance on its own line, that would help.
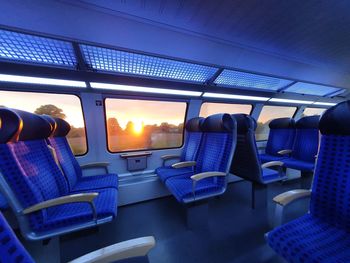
(270, 175)
(96, 182)
(76, 213)
(264, 158)
(167, 172)
(308, 239)
(298, 165)
(182, 187)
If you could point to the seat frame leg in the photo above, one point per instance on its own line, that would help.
(259, 195)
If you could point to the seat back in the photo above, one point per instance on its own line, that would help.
(306, 141)
(193, 139)
(246, 162)
(217, 146)
(26, 164)
(330, 199)
(65, 156)
(281, 135)
(11, 250)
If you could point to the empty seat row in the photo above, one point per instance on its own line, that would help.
(293, 143)
(205, 161)
(38, 189)
(322, 235)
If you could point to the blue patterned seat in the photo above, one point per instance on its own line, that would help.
(246, 162)
(68, 163)
(214, 155)
(189, 152)
(323, 234)
(305, 146)
(281, 137)
(30, 175)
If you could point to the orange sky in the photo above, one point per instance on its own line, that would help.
(29, 101)
(274, 112)
(148, 112)
(213, 108)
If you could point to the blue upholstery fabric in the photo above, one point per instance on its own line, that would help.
(181, 187)
(167, 172)
(309, 239)
(32, 174)
(323, 234)
(11, 250)
(189, 152)
(305, 145)
(246, 161)
(264, 158)
(299, 165)
(270, 175)
(281, 137)
(72, 170)
(3, 202)
(215, 154)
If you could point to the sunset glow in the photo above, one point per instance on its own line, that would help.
(138, 127)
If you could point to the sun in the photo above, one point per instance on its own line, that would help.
(138, 127)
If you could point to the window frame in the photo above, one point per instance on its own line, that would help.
(293, 115)
(109, 96)
(42, 91)
(220, 102)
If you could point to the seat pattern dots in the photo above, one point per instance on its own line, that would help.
(11, 250)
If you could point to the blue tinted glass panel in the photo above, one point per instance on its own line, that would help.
(313, 89)
(232, 78)
(131, 63)
(34, 49)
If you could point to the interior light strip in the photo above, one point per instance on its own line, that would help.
(42, 81)
(234, 97)
(108, 86)
(325, 103)
(291, 101)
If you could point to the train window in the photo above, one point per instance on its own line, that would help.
(269, 113)
(313, 111)
(209, 108)
(134, 125)
(64, 106)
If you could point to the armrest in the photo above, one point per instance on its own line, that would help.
(200, 176)
(170, 156)
(184, 164)
(68, 199)
(137, 247)
(95, 165)
(291, 196)
(271, 164)
(282, 200)
(284, 152)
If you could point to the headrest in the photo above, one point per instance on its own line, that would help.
(336, 120)
(244, 123)
(308, 122)
(20, 125)
(194, 124)
(10, 125)
(62, 128)
(50, 120)
(218, 123)
(282, 123)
